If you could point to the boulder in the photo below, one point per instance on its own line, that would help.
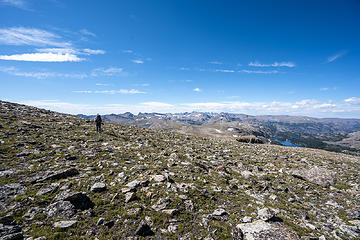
(316, 175)
(78, 199)
(261, 230)
(61, 209)
(64, 224)
(98, 187)
(144, 230)
(130, 196)
(61, 174)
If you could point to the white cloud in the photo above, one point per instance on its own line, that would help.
(121, 91)
(87, 32)
(128, 51)
(352, 100)
(102, 84)
(53, 55)
(275, 64)
(85, 51)
(88, 51)
(137, 61)
(197, 90)
(224, 70)
(336, 56)
(112, 71)
(59, 51)
(216, 62)
(31, 37)
(42, 57)
(307, 107)
(259, 72)
(41, 75)
(324, 89)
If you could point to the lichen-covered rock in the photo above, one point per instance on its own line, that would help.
(317, 175)
(261, 230)
(60, 209)
(11, 190)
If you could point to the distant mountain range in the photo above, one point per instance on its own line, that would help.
(333, 134)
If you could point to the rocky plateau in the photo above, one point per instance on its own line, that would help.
(59, 179)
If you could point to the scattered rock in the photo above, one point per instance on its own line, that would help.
(100, 221)
(144, 230)
(220, 212)
(11, 233)
(11, 190)
(64, 224)
(78, 199)
(171, 212)
(130, 196)
(246, 219)
(29, 215)
(61, 209)
(264, 230)
(158, 178)
(161, 204)
(98, 187)
(265, 214)
(62, 174)
(317, 175)
(48, 189)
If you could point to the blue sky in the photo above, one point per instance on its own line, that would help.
(252, 57)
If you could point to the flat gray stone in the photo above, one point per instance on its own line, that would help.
(64, 224)
(98, 187)
(261, 230)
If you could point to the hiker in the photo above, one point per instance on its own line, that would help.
(98, 122)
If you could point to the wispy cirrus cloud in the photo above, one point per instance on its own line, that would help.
(42, 74)
(216, 62)
(59, 51)
(110, 71)
(97, 72)
(42, 57)
(137, 61)
(197, 90)
(335, 56)
(259, 72)
(85, 51)
(112, 92)
(87, 32)
(352, 100)
(31, 37)
(224, 70)
(275, 64)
